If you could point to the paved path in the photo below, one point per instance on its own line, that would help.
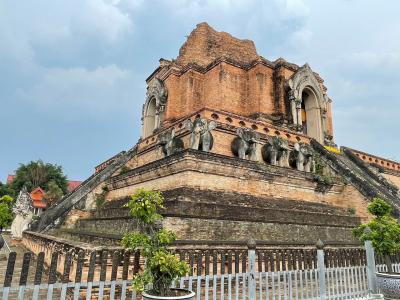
(20, 250)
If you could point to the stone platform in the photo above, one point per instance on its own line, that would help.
(204, 217)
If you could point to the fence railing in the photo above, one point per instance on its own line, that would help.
(238, 274)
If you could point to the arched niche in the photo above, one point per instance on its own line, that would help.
(311, 115)
(307, 103)
(149, 120)
(154, 107)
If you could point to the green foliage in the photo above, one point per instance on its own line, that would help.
(124, 169)
(38, 173)
(384, 230)
(323, 179)
(6, 189)
(320, 175)
(53, 193)
(6, 216)
(100, 200)
(162, 267)
(379, 208)
(145, 204)
(351, 211)
(7, 199)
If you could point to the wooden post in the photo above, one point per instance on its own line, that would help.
(251, 246)
(321, 269)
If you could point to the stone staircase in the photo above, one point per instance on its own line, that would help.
(56, 214)
(359, 174)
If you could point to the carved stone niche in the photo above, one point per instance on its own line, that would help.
(200, 134)
(154, 107)
(307, 99)
(245, 144)
(301, 157)
(276, 152)
(169, 143)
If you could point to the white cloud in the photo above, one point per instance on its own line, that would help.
(101, 18)
(80, 91)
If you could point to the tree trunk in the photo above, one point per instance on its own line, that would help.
(388, 263)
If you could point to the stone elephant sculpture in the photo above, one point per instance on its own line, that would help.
(302, 157)
(276, 152)
(200, 134)
(169, 143)
(245, 144)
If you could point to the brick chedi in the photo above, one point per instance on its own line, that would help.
(240, 147)
(217, 71)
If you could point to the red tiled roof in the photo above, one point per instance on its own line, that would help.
(37, 198)
(72, 185)
(10, 179)
(39, 204)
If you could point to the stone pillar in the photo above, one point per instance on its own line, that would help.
(370, 267)
(251, 245)
(298, 111)
(321, 269)
(293, 109)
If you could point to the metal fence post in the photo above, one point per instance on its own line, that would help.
(321, 269)
(251, 246)
(371, 267)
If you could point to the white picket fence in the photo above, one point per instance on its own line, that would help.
(336, 283)
(383, 268)
(342, 283)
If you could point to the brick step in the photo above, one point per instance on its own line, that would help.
(216, 197)
(187, 198)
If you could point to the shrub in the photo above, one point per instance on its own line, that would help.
(351, 211)
(383, 231)
(162, 267)
(100, 200)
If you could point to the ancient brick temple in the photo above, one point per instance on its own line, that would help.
(241, 147)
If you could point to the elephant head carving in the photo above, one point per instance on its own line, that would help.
(303, 157)
(276, 152)
(245, 144)
(169, 143)
(200, 134)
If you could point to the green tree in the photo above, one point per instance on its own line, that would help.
(53, 193)
(6, 189)
(383, 231)
(6, 216)
(162, 266)
(38, 173)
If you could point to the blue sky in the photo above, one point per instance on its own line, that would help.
(72, 72)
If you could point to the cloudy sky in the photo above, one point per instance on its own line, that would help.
(72, 72)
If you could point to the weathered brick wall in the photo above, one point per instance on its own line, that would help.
(393, 178)
(213, 172)
(226, 230)
(218, 71)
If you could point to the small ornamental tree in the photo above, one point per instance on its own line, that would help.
(383, 231)
(6, 215)
(53, 193)
(162, 267)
